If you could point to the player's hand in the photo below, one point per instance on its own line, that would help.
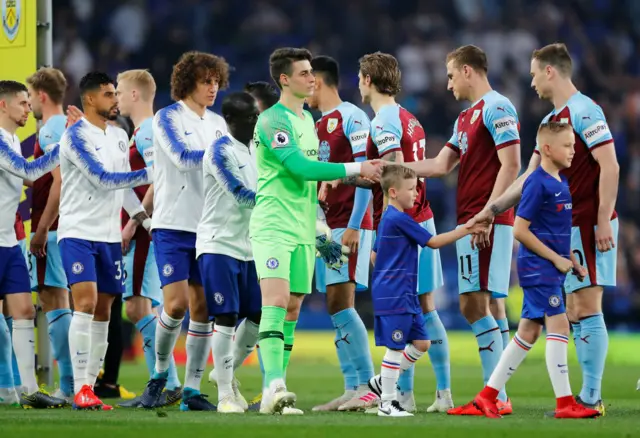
(580, 271)
(73, 115)
(38, 246)
(127, 234)
(486, 217)
(323, 191)
(481, 240)
(477, 228)
(604, 237)
(372, 170)
(351, 239)
(563, 265)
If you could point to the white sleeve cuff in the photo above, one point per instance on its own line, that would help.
(352, 168)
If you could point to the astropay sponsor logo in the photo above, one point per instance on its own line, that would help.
(505, 124)
(595, 132)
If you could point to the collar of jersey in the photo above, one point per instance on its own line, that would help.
(95, 129)
(190, 113)
(332, 109)
(482, 98)
(574, 95)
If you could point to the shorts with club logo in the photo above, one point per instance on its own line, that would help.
(98, 262)
(230, 285)
(395, 331)
(541, 301)
(279, 259)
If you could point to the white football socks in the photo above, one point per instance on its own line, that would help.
(389, 373)
(511, 358)
(410, 355)
(80, 347)
(24, 347)
(167, 332)
(556, 356)
(99, 344)
(198, 346)
(244, 342)
(223, 359)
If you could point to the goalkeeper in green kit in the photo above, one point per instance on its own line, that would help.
(283, 222)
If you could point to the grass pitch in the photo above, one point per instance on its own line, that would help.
(315, 377)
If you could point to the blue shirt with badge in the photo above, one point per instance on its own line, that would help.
(546, 203)
(395, 275)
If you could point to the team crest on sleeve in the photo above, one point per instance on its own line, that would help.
(397, 336)
(476, 114)
(554, 301)
(564, 120)
(122, 145)
(77, 268)
(332, 124)
(218, 298)
(167, 270)
(324, 151)
(280, 140)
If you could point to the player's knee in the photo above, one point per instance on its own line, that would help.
(54, 298)
(422, 346)
(530, 332)
(134, 313)
(227, 319)
(293, 306)
(498, 309)
(337, 303)
(22, 310)
(473, 312)
(176, 305)
(85, 303)
(103, 308)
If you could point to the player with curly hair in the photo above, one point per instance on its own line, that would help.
(181, 132)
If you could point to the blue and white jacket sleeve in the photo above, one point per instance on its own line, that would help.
(225, 168)
(83, 156)
(16, 164)
(169, 136)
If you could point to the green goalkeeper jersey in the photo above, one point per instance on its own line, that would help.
(285, 204)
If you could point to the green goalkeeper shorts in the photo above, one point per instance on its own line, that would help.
(294, 263)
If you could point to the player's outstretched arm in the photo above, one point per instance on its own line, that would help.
(171, 138)
(87, 161)
(444, 239)
(309, 170)
(523, 234)
(436, 167)
(220, 162)
(17, 165)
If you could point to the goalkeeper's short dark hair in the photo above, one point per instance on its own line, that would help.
(281, 61)
(328, 68)
(263, 92)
